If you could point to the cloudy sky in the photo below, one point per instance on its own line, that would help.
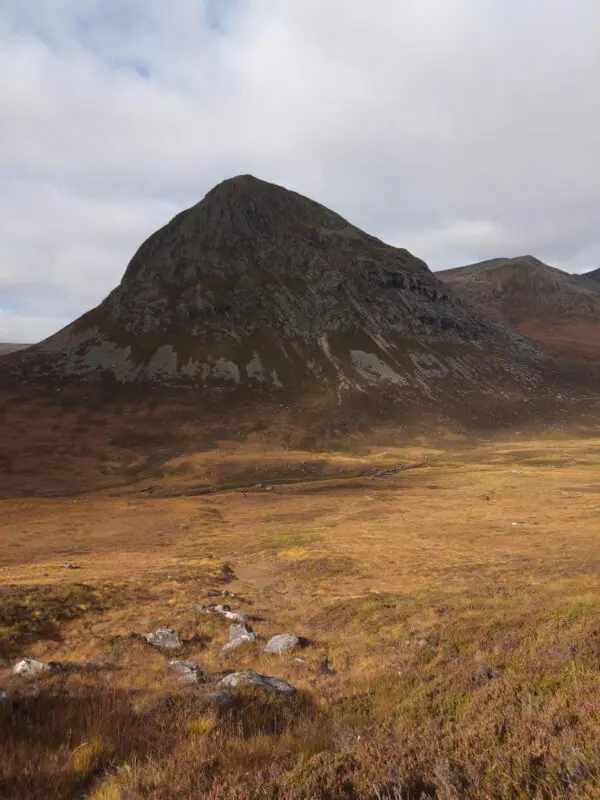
(460, 129)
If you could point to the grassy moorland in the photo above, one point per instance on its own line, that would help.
(457, 602)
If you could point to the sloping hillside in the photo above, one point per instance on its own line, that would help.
(560, 310)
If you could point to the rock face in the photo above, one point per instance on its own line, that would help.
(560, 310)
(257, 287)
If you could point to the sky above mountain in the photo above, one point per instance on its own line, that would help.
(461, 130)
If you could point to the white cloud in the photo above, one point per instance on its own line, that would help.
(460, 130)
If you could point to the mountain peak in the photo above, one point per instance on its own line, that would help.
(246, 206)
(259, 287)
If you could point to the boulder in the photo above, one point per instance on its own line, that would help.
(164, 639)
(240, 634)
(189, 672)
(31, 668)
(283, 643)
(272, 685)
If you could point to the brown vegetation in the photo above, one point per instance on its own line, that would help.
(457, 603)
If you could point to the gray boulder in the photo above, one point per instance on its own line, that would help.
(283, 643)
(164, 639)
(189, 672)
(272, 685)
(31, 668)
(240, 634)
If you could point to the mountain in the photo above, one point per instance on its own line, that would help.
(559, 310)
(592, 275)
(259, 288)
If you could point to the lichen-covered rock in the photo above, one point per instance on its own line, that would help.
(189, 672)
(164, 639)
(240, 634)
(31, 668)
(273, 685)
(283, 643)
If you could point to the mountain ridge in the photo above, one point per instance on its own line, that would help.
(559, 310)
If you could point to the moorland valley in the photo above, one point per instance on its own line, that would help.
(288, 516)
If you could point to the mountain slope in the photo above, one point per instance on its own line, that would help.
(592, 275)
(257, 287)
(558, 309)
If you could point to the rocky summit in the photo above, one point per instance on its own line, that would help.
(259, 287)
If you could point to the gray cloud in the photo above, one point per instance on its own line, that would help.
(460, 130)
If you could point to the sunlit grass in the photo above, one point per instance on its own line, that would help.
(457, 605)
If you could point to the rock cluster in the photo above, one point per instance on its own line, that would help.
(189, 672)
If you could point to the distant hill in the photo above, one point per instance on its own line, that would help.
(560, 310)
(10, 347)
(257, 289)
(593, 275)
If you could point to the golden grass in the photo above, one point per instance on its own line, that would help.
(457, 602)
